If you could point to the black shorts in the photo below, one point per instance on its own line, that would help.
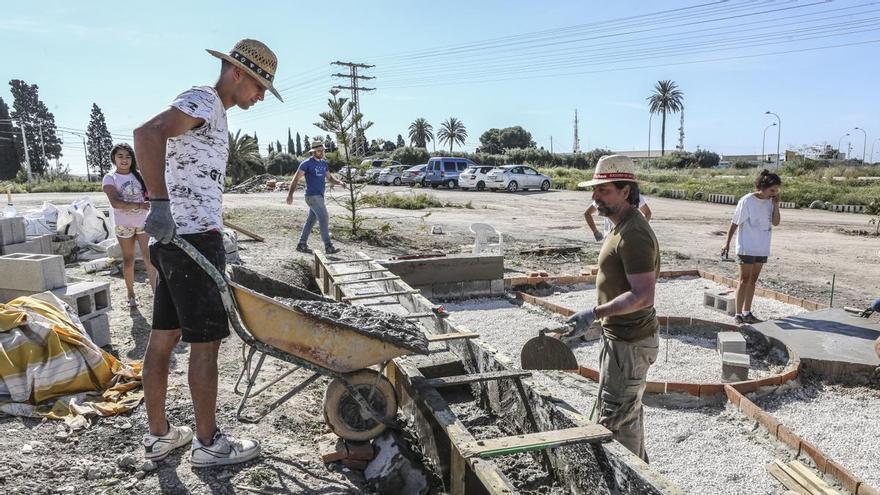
(745, 259)
(186, 297)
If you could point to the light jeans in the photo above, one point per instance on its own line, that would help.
(623, 370)
(317, 211)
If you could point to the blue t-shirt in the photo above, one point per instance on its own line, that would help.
(316, 175)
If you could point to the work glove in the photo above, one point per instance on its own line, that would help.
(876, 306)
(581, 321)
(598, 235)
(160, 224)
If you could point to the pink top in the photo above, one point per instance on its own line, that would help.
(130, 190)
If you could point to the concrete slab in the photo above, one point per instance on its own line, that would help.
(830, 341)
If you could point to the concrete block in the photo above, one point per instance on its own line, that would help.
(735, 367)
(88, 299)
(449, 290)
(12, 230)
(34, 272)
(7, 295)
(33, 245)
(731, 342)
(98, 329)
(45, 241)
(724, 300)
(476, 288)
(496, 287)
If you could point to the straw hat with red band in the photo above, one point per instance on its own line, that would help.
(612, 168)
(256, 59)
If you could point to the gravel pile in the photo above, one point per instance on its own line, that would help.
(841, 421)
(682, 296)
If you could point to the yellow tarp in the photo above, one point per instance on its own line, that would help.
(49, 366)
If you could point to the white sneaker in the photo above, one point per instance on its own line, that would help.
(224, 450)
(157, 448)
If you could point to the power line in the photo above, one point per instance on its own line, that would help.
(355, 88)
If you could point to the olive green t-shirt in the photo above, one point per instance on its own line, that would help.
(629, 249)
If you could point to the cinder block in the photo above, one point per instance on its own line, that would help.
(12, 230)
(88, 299)
(34, 272)
(724, 300)
(735, 367)
(448, 290)
(476, 288)
(45, 241)
(496, 287)
(33, 245)
(731, 342)
(98, 329)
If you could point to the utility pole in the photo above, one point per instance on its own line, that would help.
(27, 158)
(576, 147)
(551, 145)
(353, 79)
(86, 152)
(43, 161)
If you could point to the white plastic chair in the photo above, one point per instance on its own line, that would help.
(483, 232)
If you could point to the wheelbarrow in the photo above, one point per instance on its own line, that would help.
(359, 402)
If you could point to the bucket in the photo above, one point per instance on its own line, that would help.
(65, 245)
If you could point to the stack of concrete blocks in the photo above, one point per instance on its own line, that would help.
(848, 208)
(458, 276)
(735, 361)
(25, 274)
(726, 199)
(722, 300)
(13, 238)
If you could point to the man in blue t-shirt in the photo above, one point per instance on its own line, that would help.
(316, 172)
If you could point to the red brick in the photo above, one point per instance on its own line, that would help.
(767, 421)
(355, 464)
(815, 454)
(543, 274)
(360, 451)
(866, 489)
(711, 389)
(587, 372)
(840, 473)
(687, 388)
(789, 375)
(749, 408)
(745, 387)
(786, 436)
(732, 395)
(655, 387)
(332, 448)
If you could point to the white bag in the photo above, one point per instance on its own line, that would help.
(83, 220)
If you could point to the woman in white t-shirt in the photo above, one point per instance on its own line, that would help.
(127, 193)
(755, 216)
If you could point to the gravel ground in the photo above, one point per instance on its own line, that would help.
(682, 296)
(835, 418)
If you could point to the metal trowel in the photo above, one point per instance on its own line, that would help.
(546, 352)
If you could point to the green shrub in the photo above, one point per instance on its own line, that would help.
(409, 155)
(281, 164)
(411, 201)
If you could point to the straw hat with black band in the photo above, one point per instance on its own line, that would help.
(256, 59)
(317, 144)
(612, 168)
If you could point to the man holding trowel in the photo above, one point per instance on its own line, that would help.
(182, 152)
(629, 263)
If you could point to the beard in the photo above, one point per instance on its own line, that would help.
(604, 209)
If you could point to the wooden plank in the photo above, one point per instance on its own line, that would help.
(809, 479)
(414, 316)
(341, 262)
(778, 471)
(372, 270)
(457, 471)
(366, 280)
(452, 336)
(379, 294)
(451, 381)
(244, 231)
(494, 447)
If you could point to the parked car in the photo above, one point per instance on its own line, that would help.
(516, 177)
(391, 175)
(414, 175)
(444, 171)
(355, 174)
(474, 177)
(371, 176)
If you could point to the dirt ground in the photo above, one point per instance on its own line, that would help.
(809, 248)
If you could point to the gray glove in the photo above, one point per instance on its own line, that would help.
(581, 321)
(160, 224)
(598, 235)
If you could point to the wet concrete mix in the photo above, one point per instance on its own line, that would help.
(384, 326)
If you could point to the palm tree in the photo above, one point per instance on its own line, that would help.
(420, 132)
(667, 98)
(452, 131)
(244, 157)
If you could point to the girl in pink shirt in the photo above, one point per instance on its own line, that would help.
(127, 193)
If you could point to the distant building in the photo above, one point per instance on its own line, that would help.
(755, 159)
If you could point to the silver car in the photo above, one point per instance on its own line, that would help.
(414, 175)
(516, 177)
(391, 175)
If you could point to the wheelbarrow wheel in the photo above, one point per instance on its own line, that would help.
(343, 414)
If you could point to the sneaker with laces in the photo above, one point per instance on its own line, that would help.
(223, 450)
(750, 318)
(302, 248)
(331, 250)
(157, 448)
(738, 319)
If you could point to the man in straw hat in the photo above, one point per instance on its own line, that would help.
(182, 152)
(316, 172)
(629, 263)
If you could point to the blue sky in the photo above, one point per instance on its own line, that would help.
(602, 58)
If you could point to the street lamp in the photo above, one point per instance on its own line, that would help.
(872, 149)
(763, 141)
(864, 142)
(838, 144)
(649, 133)
(778, 135)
